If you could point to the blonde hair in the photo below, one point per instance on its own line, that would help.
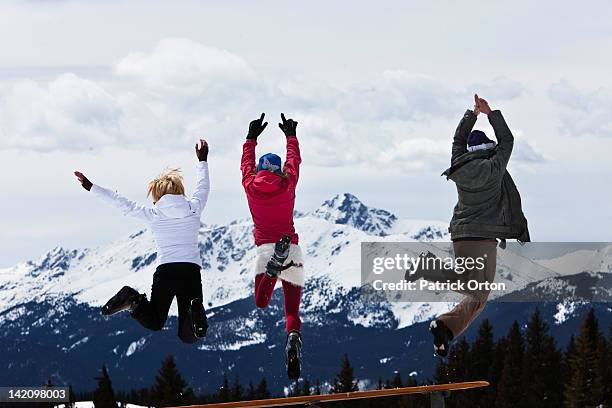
(168, 182)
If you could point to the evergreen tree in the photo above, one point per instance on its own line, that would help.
(441, 375)
(497, 365)
(588, 371)
(345, 380)
(250, 392)
(455, 369)
(104, 396)
(170, 388)
(306, 387)
(604, 368)
(411, 382)
(71, 398)
(48, 384)
(397, 380)
(608, 364)
(294, 389)
(458, 365)
(236, 394)
(541, 366)
(406, 401)
(224, 392)
(482, 355)
(262, 390)
(509, 389)
(317, 389)
(566, 369)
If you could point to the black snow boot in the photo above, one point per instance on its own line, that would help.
(126, 299)
(281, 253)
(294, 355)
(198, 318)
(442, 337)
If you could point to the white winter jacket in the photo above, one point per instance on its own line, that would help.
(174, 220)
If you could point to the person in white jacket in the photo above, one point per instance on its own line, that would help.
(174, 221)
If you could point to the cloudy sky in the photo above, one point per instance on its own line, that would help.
(121, 90)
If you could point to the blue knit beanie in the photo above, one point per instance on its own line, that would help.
(270, 162)
(477, 140)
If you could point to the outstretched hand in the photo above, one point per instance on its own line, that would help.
(288, 126)
(256, 127)
(202, 150)
(83, 180)
(481, 105)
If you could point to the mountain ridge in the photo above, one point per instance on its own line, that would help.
(51, 325)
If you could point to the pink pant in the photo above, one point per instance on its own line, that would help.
(264, 286)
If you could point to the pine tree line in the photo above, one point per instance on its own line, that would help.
(525, 368)
(170, 389)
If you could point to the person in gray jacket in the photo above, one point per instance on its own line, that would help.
(488, 209)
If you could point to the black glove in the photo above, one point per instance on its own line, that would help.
(83, 180)
(202, 150)
(256, 127)
(288, 126)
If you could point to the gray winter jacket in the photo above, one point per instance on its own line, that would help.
(489, 204)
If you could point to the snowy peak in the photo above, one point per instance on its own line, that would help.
(579, 287)
(57, 261)
(346, 209)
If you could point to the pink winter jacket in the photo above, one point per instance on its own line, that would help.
(271, 197)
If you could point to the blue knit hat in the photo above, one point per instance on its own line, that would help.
(477, 140)
(270, 162)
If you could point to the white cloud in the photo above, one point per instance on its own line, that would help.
(583, 113)
(183, 63)
(499, 89)
(181, 90)
(416, 154)
(400, 95)
(526, 153)
(68, 113)
(321, 74)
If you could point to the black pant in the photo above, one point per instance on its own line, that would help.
(180, 279)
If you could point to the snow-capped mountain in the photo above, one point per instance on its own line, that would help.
(51, 324)
(330, 236)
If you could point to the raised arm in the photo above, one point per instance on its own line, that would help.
(128, 207)
(293, 160)
(247, 163)
(461, 134)
(292, 163)
(202, 190)
(505, 142)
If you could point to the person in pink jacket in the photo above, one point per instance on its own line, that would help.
(270, 190)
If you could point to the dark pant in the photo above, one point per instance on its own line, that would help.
(180, 279)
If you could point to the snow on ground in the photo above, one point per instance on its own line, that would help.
(408, 314)
(564, 311)
(135, 346)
